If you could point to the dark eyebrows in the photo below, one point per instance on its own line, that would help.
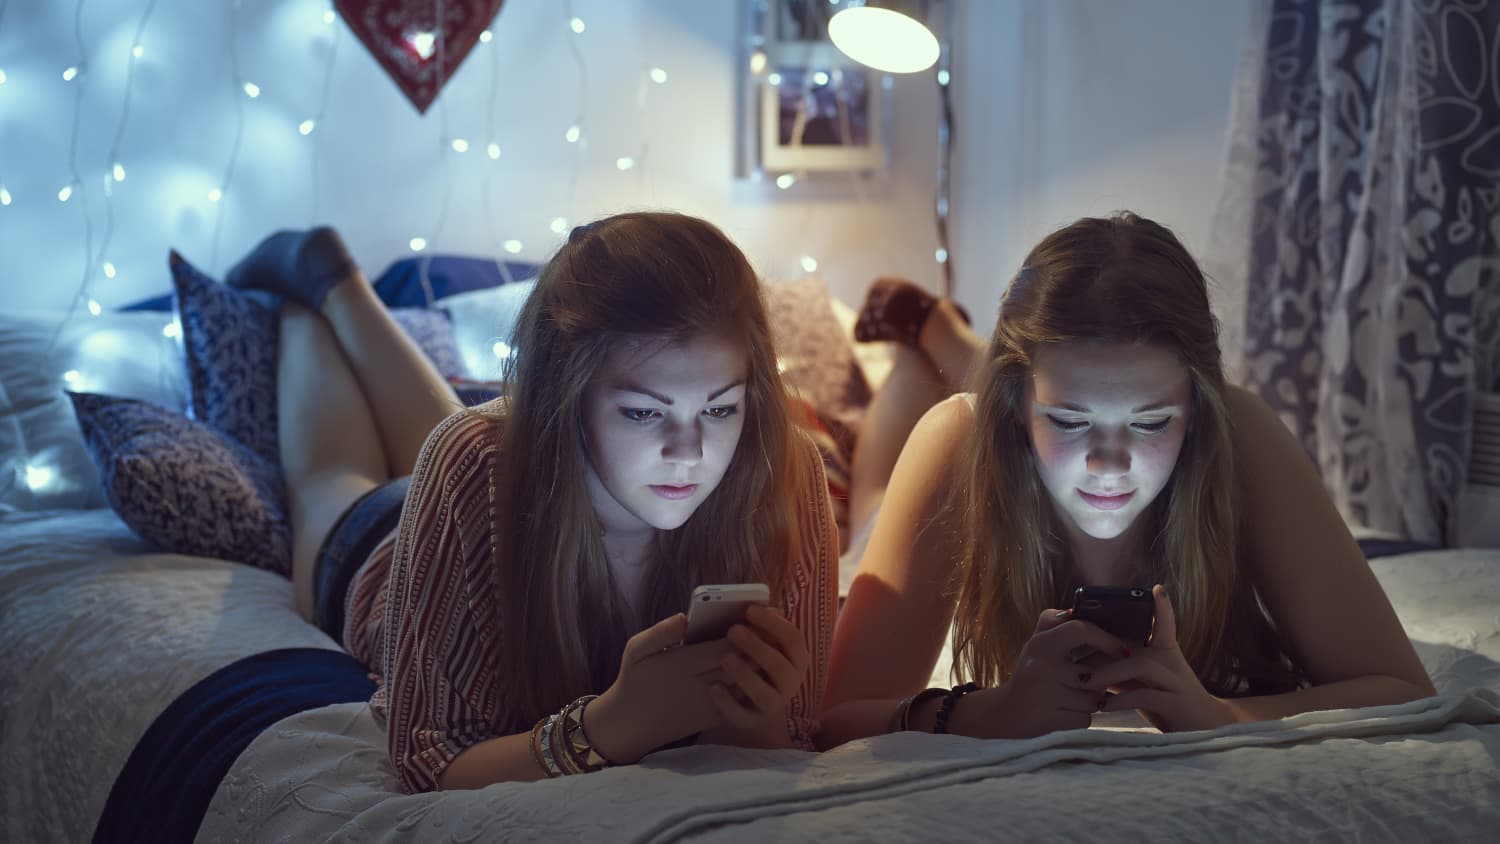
(1145, 408)
(632, 387)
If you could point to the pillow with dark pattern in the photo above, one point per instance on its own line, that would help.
(183, 485)
(432, 331)
(230, 342)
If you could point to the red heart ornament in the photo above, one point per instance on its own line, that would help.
(419, 52)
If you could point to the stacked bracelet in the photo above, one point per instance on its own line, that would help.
(945, 709)
(560, 745)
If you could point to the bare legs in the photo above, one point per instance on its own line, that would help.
(355, 401)
(922, 375)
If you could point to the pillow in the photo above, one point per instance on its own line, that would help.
(815, 353)
(230, 342)
(43, 463)
(432, 331)
(405, 284)
(185, 486)
(482, 319)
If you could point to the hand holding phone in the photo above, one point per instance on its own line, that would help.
(1125, 612)
(714, 609)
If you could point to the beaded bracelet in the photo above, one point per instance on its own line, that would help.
(901, 718)
(945, 709)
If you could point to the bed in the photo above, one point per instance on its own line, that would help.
(109, 713)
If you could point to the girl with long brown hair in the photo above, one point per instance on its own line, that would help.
(515, 574)
(1102, 446)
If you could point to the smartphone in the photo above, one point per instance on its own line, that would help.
(1126, 612)
(716, 608)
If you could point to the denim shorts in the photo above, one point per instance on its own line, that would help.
(370, 519)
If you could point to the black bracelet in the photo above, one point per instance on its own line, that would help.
(945, 709)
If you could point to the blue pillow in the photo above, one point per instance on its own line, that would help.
(183, 485)
(400, 286)
(230, 342)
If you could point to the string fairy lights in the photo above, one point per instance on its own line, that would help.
(308, 126)
(216, 194)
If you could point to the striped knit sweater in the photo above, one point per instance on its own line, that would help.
(422, 611)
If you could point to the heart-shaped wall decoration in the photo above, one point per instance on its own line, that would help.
(419, 52)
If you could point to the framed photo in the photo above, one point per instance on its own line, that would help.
(820, 118)
(807, 107)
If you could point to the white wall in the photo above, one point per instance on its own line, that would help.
(1081, 108)
(1063, 108)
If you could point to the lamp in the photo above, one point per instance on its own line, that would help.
(888, 35)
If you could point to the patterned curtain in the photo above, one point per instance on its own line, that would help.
(1358, 240)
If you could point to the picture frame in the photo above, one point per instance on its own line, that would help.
(807, 107)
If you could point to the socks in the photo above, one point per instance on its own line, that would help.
(299, 265)
(896, 309)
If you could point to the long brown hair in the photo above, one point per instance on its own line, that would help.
(646, 274)
(1120, 279)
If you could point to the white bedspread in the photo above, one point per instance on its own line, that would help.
(98, 637)
(1422, 771)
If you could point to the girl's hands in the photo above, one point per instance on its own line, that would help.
(764, 667)
(1158, 682)
(662, 693)
(1048, 691)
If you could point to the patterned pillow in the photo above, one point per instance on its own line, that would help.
(183, 485)
(230, 342)
(816, 355)
(432, 331)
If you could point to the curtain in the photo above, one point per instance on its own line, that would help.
(1355, 250)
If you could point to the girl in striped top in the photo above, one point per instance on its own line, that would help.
(538, 550)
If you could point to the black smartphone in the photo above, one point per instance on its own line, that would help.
(1126, 612)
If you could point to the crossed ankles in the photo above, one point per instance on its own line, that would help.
(298, 265)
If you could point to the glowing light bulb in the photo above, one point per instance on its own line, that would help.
(171, 330)
(95, 308)
(658, 75)
(4, 196)
(460, 145)
(109, 269)
(39, 476)
(758, 62)
(72, 376)
(252, 90)
(501, 350)
(573, 134)
(774, 79)
(820, 78)
(215, 195)
(70, 74)
(493, 150)
(486, 37)
(119, 172)
(424, 43)
(306, 127)
(64, 194)
(577, 25)
(513, 247)
(941, 255)
(809, 264)
(2, 77)
(624, 163)
(559, 225)
(328, 17)
(137, 51)
(417, 244)
(785, 180)
(943, 77)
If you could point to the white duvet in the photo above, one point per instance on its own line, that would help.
(99, 637)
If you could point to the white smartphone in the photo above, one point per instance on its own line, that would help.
(716, 608)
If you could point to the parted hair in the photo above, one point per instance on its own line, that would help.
(1116, 279)
(626, 279)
